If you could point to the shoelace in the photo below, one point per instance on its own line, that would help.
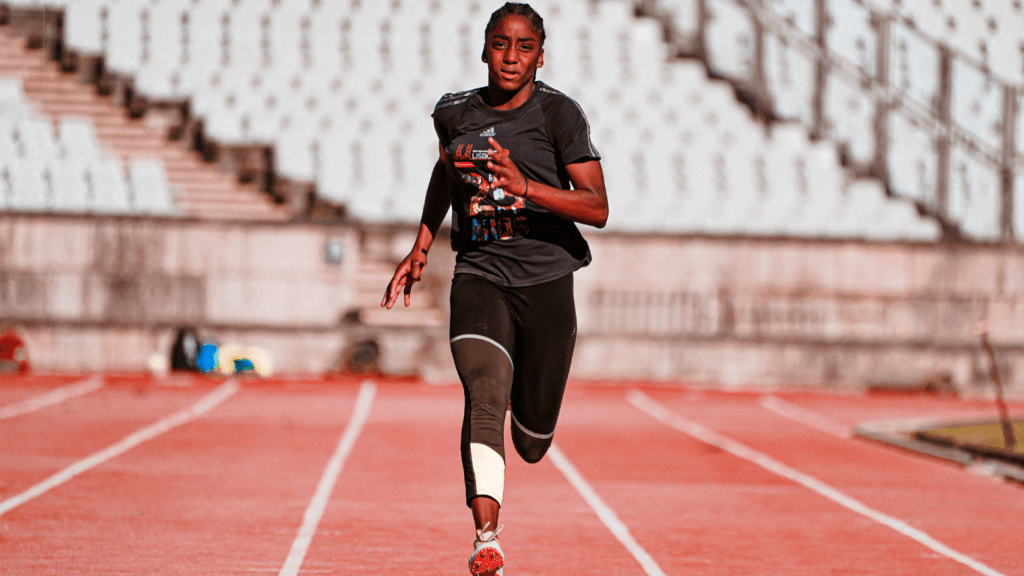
(482, 535)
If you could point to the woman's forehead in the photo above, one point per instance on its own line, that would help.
(515, 26)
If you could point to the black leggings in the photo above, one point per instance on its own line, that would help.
(509, 345)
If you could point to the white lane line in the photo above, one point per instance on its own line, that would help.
(804, 416)
(55, 396)
(618, 529)
(207, 403)
(315, 510)
(662, 414)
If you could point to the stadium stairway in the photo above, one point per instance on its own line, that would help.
(202, 189)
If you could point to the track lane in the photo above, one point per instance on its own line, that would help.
(224, 494)
(39, 444)
(51, 398)
(956, 507)
(399, 507)
(694, 508)
(18, 388)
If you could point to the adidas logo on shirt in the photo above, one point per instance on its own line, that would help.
(487, 133)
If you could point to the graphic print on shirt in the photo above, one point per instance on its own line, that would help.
(493, 214)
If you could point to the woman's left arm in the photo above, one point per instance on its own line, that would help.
(586, 203)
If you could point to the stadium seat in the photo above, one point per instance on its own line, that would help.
(108, 189)
(83, 26)
(149, 189)
(801, 14)
(913, 159)
(289, 47)
(852, 35)
(327, 26)
(730, 36)
(974, 199)
(30, 185)
(977, 103)
(204, 52)
(124, 36)
(850, 114)
(70, 193)
(36, 137)
(790, 74)
(684, 16)
(293, 150)
(8, 145)
(914, 61)
(12, 96)
(247, 22)
(162, 49)
(77, 141)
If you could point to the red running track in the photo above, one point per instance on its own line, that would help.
(226, 489)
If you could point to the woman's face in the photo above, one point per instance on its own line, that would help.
(513, 53)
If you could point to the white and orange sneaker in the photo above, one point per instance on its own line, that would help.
(487, 559)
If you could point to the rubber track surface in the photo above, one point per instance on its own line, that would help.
(225, 493)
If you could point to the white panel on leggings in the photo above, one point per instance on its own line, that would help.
(489, 469)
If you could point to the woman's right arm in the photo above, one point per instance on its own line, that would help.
(435, 208)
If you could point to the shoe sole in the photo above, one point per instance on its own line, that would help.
(487, 561)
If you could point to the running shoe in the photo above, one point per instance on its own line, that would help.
(487, 559)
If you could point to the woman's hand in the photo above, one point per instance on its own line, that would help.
(586, 202)
(506, 174)
(409, 272)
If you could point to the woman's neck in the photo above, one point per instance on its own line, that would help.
(501, 100)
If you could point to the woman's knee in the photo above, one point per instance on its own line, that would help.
(530, 448)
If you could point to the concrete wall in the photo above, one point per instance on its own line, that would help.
(737, 311)
(106, 293)
(94, 293)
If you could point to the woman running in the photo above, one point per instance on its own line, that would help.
(518, 169)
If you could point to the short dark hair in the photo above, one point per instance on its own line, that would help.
(516, 9)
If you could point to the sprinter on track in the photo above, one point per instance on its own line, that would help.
(519, 170)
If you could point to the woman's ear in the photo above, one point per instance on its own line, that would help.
(483, 56)
(540, 59)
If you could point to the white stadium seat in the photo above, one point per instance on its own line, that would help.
(124, 36)
(70, 192)
(108, 189)
(151, 194)
(8, 145)
(83, 26)
(30, 190)
(37, 140)
(76, 140)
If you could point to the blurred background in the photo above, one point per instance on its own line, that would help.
(805, 193)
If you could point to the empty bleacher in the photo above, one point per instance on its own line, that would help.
(924, 93)
(65, 149)
(341, 92)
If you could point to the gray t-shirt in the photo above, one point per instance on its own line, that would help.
(509, 240)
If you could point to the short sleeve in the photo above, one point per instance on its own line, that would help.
(569, 129)
(445, 115)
